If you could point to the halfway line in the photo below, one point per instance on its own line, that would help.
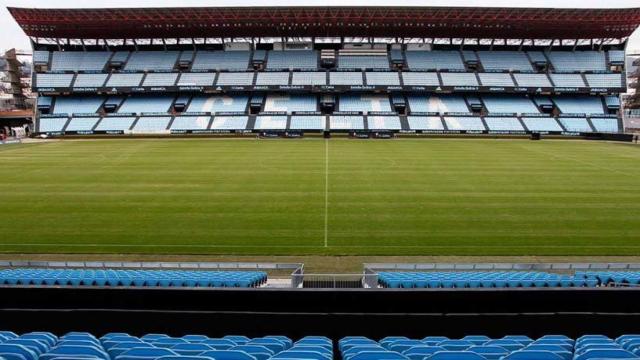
(326, 193)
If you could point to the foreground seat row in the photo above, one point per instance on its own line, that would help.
(504, 279)
(139, 278)
(122, 346)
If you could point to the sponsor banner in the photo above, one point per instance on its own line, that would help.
(10, 141)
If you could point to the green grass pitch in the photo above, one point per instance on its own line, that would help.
(318, 197)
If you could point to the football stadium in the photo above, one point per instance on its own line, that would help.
(321, 183)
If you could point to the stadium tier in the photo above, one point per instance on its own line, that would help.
(479, 347)
(122, 346)
(163, 92)
(504, 279)
(136, 278)
(43, 345)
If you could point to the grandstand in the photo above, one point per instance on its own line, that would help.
(468, 87)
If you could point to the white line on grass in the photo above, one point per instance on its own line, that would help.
(326, 193)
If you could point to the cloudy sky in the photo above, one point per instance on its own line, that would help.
(12, 36)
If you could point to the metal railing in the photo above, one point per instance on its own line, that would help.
(151, 265)
(553, 267)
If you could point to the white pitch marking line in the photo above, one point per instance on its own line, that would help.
(326, 193)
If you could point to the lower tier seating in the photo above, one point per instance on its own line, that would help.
(479, 347)
(43, 345)
(145, 278)
(503, 279)
(122, 346)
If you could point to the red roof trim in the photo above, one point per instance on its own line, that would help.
(525, 23)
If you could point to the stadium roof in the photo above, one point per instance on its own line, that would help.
(415, 22)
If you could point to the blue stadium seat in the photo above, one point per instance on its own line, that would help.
(533, 355)
(455, 355)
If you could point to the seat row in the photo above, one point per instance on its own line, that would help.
(168, 124)
(477, 347)
(502, 279)
(309, 59)
(122, 346)
(81, 82)
(138, 278)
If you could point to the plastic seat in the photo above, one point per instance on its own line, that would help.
(533, 355)
(71, 351)
(38, 347)
(402, 345)
(125, 346)
(605, 354)
(510, 345)
(378, 355)
(145, 353)
(476, 339)
(455, 345)
(193, 349)
(238, 339)
(422, 351)
(434, 340)
(219, 344)
(304, 355)
(273, 344)
(489, 352)
(455, 355)
(524, 340)
(27, 353)
(228, 355)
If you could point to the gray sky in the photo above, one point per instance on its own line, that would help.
(12, 36)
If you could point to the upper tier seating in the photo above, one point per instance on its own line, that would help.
(464, 123)
(272, 78)
(124, 80)
(505, 60)
(532, 80)
(79, 60)
(290, 103)
(341, 122)
(509, 104)
(579, 104)
(218, 103)
(434, 60)
(425, 123)
(196, 79)
(605, 80)
(383, 123)
(221, 60)
(438, 103)
(238, 79)
(496, 79)
(459, 79)
(308, 123)
(476, 279)
(152, 60)
(382, 78)
(145, 278)
(309, 78)
(90, 80)
(364, 103)
(41, 57)
(293, 60)
(160, 79)
(268, 122)
(503, 124)
(53, 80)
(363, 62)
(345, 78)
(146, 104)
(77, 105)
(577, 61)
(567, 80)
(420, 79)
